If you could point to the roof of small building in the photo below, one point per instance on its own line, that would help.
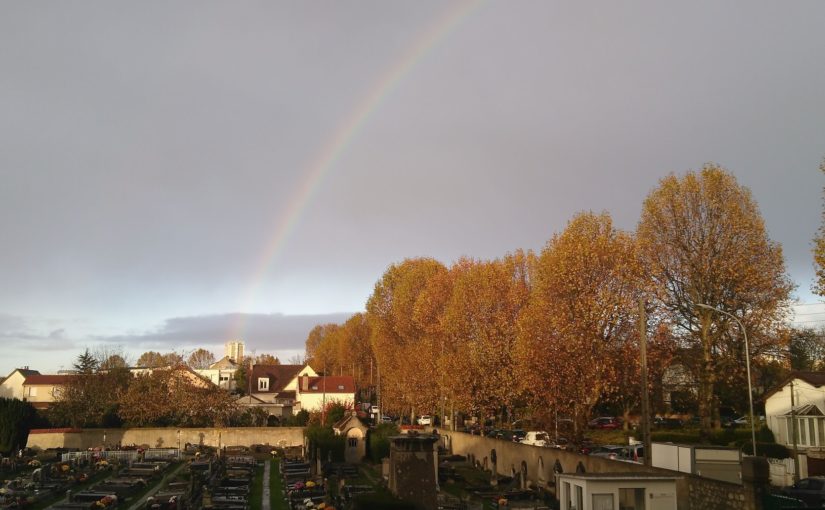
(38, 379)
(225, 362)
(329, 384)
(816, 379)
(620, 476)
(279, 375)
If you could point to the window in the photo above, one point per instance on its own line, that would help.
(579, 498)
(32, 391)
(602, 501)
(340, 386)
(566, 495)
(631, 499)
(224, 378)
(263, 384)
(352, 442)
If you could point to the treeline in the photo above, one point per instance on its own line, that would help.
(557, 333)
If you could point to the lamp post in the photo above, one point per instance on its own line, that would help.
(747, 366)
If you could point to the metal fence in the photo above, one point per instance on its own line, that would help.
(123, 455)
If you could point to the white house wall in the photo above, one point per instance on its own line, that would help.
(779, 404)
(314, 401)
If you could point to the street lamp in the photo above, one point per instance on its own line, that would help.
(747, 366)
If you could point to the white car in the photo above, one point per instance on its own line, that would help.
(537, 438)
(425, 420)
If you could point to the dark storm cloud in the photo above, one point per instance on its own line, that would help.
(264, 332)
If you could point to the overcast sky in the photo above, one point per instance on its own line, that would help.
(151, 153)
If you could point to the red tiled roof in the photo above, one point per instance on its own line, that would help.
(329, 384)
(47, 379)
(49, 431)
(279, 376)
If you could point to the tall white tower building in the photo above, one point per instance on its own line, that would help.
(234, 350)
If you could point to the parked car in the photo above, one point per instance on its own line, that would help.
(518, 435)
(374, 409)
(667, 423)
(605, 422)
(537, 438)
(809, 490)
(425, 420)
(387, 419)
(628, 453)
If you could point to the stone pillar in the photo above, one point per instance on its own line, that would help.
(756, 480)
(412, 473)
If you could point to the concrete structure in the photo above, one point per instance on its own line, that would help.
(43, 390)
(221, 373)
(413, 465)
(541, 464)
(809, 404)
(614, 491)
(313, 393)
(717, 462)
(12, 385)
(273, 388)
(355, 432)
(166, 437)
(234, 350)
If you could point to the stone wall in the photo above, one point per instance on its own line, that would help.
(707, 494)
(166, 437)
(692, 492)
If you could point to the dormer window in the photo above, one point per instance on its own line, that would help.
(263, 384)
(340, 386)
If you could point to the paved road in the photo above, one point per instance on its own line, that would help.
(265, 497)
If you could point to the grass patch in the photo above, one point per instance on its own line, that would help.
(276, 487)
(256, 492)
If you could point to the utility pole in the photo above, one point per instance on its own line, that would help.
(645, 400)
(793, 436)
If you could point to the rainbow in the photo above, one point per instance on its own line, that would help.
(340, 140)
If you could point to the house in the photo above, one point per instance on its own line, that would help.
(273, 388)
(221, 373)
(313, 393)
(808, 411)
(43, 390)
(12, 385)
(614, 491)
(351, 427)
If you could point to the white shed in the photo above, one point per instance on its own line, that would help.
(614, 491)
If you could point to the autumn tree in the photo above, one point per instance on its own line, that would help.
(703, 241)
(113, 361)
(405, 353)
(481, 325)
(807, 349)
(266, 359)
(153, 359)
(579, 325)
(90, 399)
(200, 359)
(819, 250)
(321, 349)
(111, 356)
(170, 397)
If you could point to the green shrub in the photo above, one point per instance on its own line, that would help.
(379, 441)
(325, 439)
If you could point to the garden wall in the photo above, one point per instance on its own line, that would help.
(692, 492)
(165, 437)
